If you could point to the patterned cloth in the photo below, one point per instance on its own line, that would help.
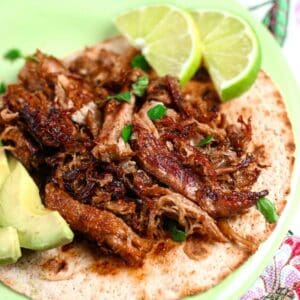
(282, 18)
(281, 279)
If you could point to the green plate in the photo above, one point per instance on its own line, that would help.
(60, 27)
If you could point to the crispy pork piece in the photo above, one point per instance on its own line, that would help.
(38, 74)
(178, 172)
(99, 225)
(66, 91)
(110, 145)
(105, 67)
(200, 101)
(189, 215)
(163, 164)
(22, 148)
(48, 125)
(220, 204)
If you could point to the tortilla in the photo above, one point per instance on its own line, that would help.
(79, 272)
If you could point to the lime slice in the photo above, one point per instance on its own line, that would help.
(167, 37)
(230, 49)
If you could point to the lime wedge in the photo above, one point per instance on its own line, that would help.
(167, 37)
(230, 49)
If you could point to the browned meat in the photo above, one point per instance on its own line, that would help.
(240, 137)
(106, 68)
(50, 126)
(158, 91)
(220, 203)
(200, 101)
(175, 93)
(72, 92)
(121, 194)
(194, 158)
(66, 91)
(170, 129)
(120, 207)
(110, 145)
(159, 161)
(37, 75)
(99, 225)
(7, 116)
(53, 129)
(23, 149)
(166, 90)
(190, 216)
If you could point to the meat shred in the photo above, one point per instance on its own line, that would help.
(120, 193)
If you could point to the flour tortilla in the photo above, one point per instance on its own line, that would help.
(80, 274)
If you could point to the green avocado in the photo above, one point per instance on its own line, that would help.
(10, 250)
(3, 166)
(21, 207)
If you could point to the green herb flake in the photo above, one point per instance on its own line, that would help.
(205, 141)
(124, 96)
(157, 112)
(177, 235)
(140, 86)
(2, 88)
(139, 61)
(267, 208)
(13, 54)
(126, 133)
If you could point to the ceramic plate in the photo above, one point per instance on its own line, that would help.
(60, 27)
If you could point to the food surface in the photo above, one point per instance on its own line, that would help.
(10, 250)
(4, 167)
(21, 208)
(162, 27)
(231, 51)
(159, 182)
(182, 162)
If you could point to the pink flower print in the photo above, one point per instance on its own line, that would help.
(289, 277)
(281, 279)
(297, 12)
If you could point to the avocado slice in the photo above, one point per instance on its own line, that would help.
(21, 207)
(10, 250)
(3, 166)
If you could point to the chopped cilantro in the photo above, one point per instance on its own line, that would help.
(140, 86)
(267, 208)
(157, 112)
(139, 61)
(205, 141)
(124, 96)
(126, 133)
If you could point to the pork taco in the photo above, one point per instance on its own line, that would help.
(160, 183)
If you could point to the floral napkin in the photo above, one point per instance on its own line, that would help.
(281, 279)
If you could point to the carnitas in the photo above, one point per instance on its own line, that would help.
(119, 160)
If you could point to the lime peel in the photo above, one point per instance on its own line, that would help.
(167, 37)
(232, 67)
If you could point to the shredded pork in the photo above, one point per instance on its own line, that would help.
(59, 122)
